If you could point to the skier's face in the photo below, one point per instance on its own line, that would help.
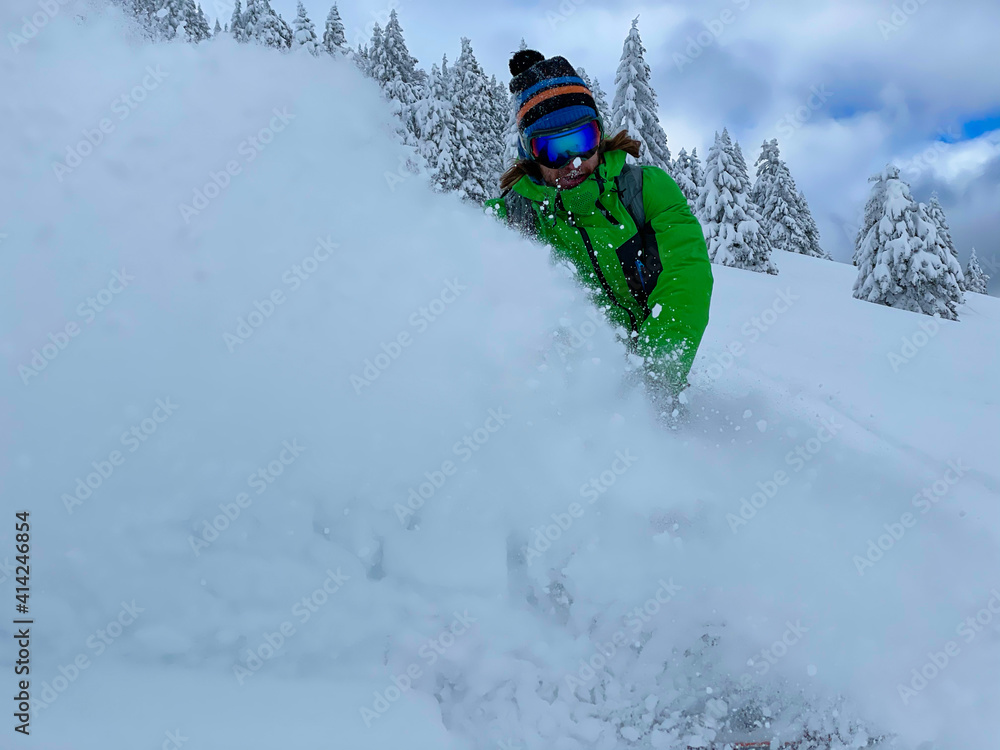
(570, 176)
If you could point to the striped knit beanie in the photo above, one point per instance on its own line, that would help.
(547, 94)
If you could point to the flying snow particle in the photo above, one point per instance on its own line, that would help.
(577, 162)
(657, 308)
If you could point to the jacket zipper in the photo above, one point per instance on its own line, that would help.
(604, 282)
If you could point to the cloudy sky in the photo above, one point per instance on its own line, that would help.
(845, 86)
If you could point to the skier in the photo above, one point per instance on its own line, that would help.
(626, 229)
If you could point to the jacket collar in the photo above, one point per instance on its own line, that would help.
(609, 168)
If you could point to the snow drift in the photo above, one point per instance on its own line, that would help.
(317, 457)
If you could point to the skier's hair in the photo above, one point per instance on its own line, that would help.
(621, 142)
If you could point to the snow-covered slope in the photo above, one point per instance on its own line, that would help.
(300, 355)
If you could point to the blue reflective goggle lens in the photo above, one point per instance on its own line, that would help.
(556, 150)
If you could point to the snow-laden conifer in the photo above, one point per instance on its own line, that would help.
(903, 261)
(634, 106)
(732, 231)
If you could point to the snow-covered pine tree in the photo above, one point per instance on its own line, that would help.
(732, 232)
(401, 63)
(510, 138)
(812, 231)
(196, 25)
(437, 128)
(502, 104)
(217, 30)
(143, 12)
(938, 246)
(394, 69)
(365, 56)
(251, 19)
(188, 31)
(263, 26)
(740, 161)
(763, 248)
(936, 211)
(334, 36)
(237, 26)
(903, 261)
(697, 173)
(768, 171)
(169, 19)
(634, 106)
(420, 81)
(598, 92)
(602, 102)
(284, 32)
(873, 213)
(511, 135)
(448, 87)
(785, 216)
(305, 32)
(205, 25)
(684, 175)
(976, 280)
(479, 156)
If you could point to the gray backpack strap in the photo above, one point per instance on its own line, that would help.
(521, 213)
(629, 186)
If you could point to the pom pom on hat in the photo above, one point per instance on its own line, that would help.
(524, 59)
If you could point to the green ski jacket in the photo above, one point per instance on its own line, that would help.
(653, 281)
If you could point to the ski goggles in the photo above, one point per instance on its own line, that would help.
(556, 149)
